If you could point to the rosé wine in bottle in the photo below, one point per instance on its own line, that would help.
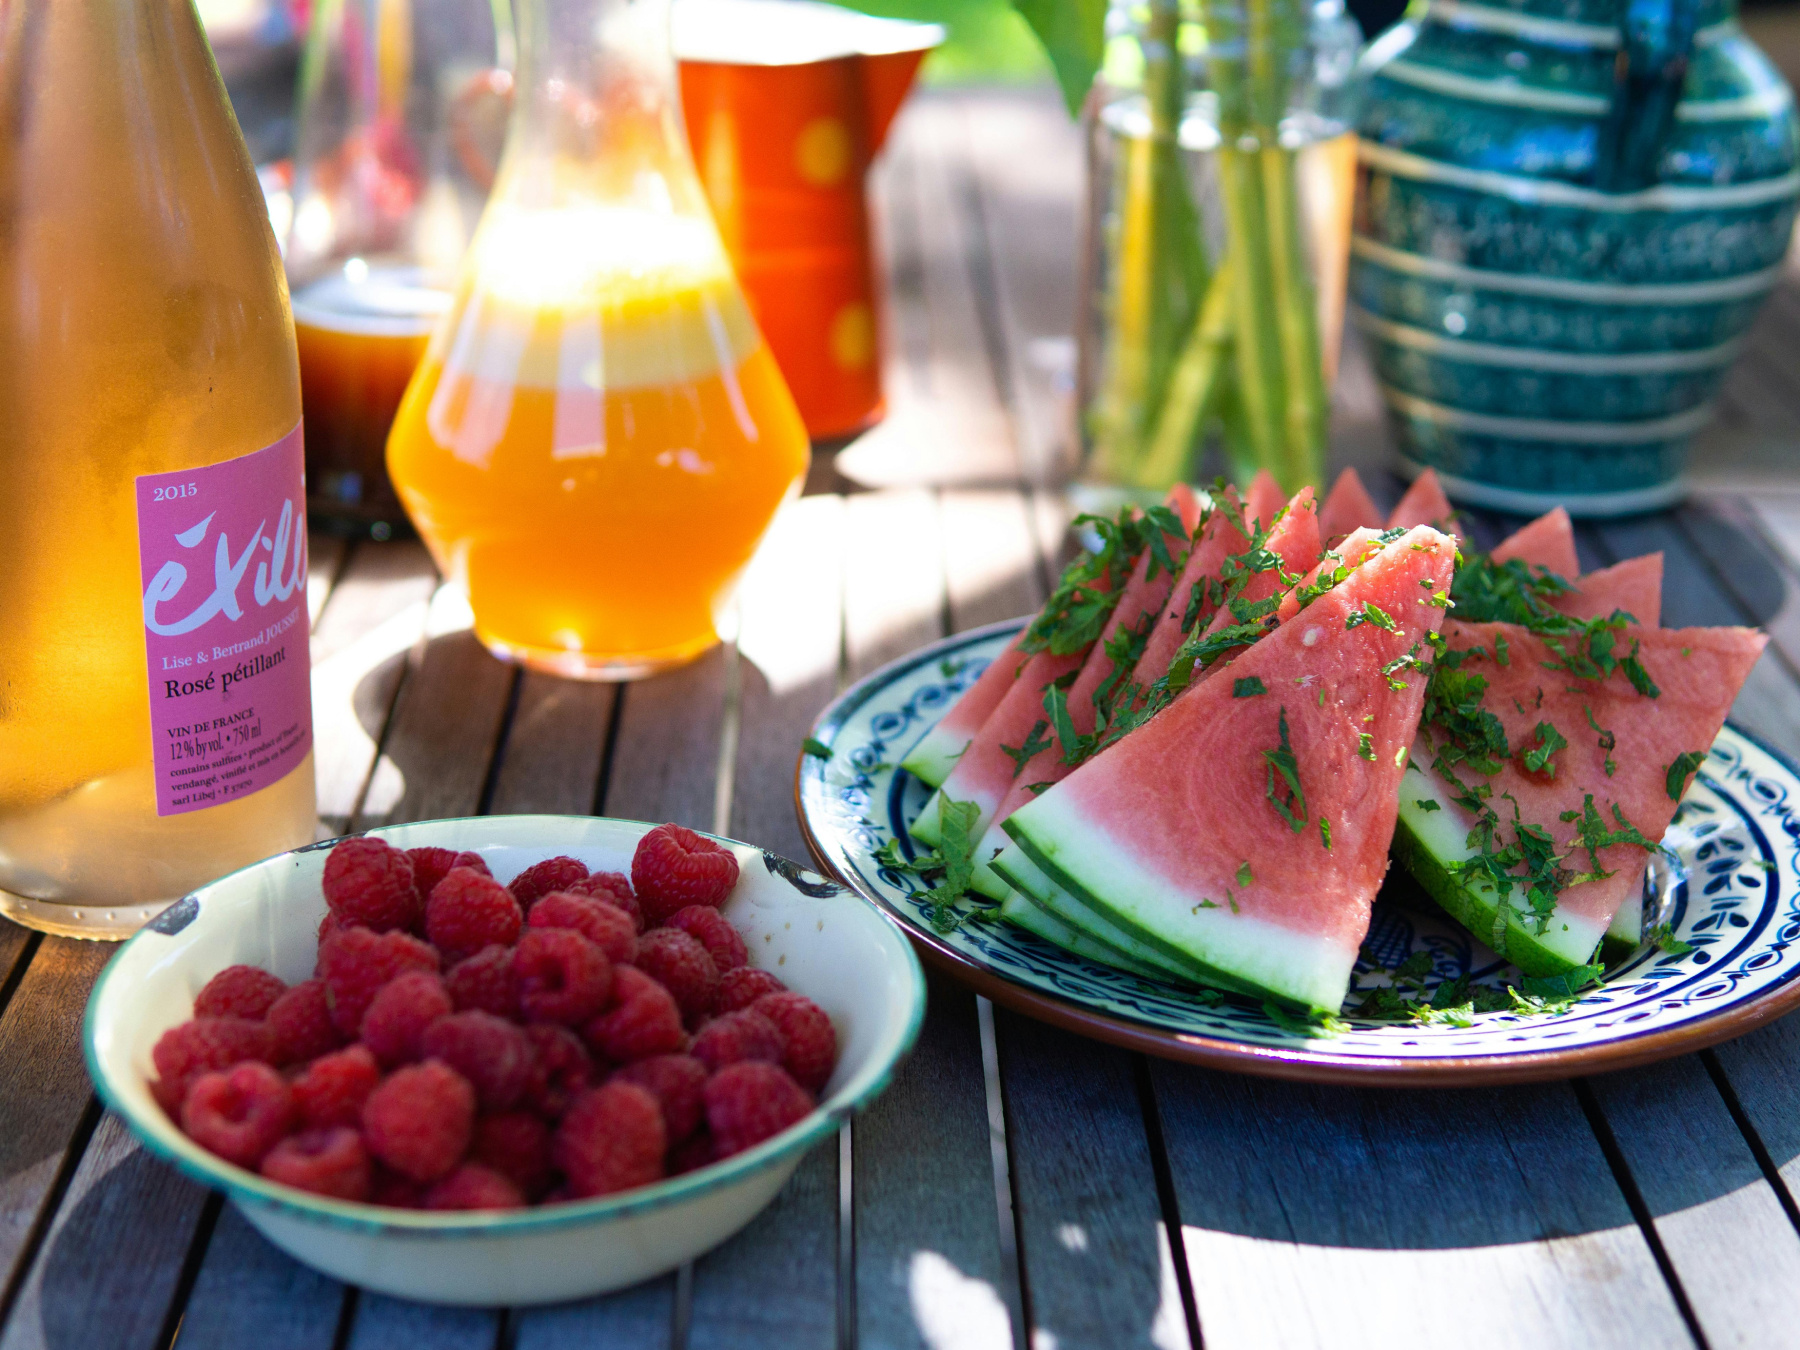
(155, 717)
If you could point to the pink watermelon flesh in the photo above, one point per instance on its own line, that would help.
(1423, 504)
(984, 774)
(932, 759)
(1348, 507)
(1218, 541)
(1548, 541)
(1262, 499)
(1295, 540)
(1634, 586)
(1348, 552)
(1139, 604)
(1698, 671)
(1171, 832)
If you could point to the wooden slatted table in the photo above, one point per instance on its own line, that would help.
(1017, 1186)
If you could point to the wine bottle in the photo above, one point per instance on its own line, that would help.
(155, 713)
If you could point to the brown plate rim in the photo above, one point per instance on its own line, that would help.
(1311, 1065)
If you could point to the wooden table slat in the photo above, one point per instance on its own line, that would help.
(247, 1288)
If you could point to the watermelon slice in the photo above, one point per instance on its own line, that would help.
(932, 759)
(1697, 672)
(1424, 504)
(1021, 908)
(1241, 833)
(1143, 599)
(1336, 563)
(1634, 585)
(984, 773)
(1348, 507)
(1548, 541)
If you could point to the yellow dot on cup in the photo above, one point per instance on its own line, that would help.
(852, 336)
(822, 151)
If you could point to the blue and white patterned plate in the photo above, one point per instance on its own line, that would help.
(1730, 890)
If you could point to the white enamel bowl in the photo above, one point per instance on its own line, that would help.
(820, 939)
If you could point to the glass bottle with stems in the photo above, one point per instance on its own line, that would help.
(402, 105)
(598, 436)
(155, 717)
(1222, 176)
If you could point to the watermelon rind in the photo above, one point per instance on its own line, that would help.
(1427, 843)
(931, 760)
(1101, 939)
(927, 828)
(1227, 950)
(1020, 909)
(985, 879)
(1625, 934)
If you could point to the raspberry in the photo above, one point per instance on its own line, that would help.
(611, 1140)
(683, 967)
(355, 963)
(741, 987)
(239, 991)
(601, 922)
(205, 1045)
(713, 931)
(561, 1070)
(751, 1101)
(327, 926)
(553, 874)
(562, 976)
(399, 1014)
(468, 910)
(301, 1022)
(517, 1146)
(485, 981)
(473, 1186)
(431, 864)
(369, 882)
(644, 1020)
(678, 1082)
(489, 1051)
(419, 1120)
(673, 868)
(240, 1114)
(807, 1033)
(692, 1155)
(615, 889)
(333, 1088)
(326, 1162)
(737, 1036)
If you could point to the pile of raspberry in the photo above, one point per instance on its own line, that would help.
(468, 1045)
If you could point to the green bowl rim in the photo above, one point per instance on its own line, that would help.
(247, 1188)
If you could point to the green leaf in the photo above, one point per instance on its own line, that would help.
(1291, 804)
(1073, 33)
(1243, 874)
(1325, 833)
(1035, 741)
(957, 821)
(1549, 741)
(1372, 613)
(816, 748)
(1663, 938)
(1426, 804)
(1365, 746)
(1681, 769)
(1249, 687)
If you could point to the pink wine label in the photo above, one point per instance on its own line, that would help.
(223, 550)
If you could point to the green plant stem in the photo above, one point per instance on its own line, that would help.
(1297, 306)
(1193, 388)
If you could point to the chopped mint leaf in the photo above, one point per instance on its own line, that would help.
(1243, 874)
(1372, 613)
(1663, 938)
(1507, 592)
(1426, 804)
(1035, 788)
(952, 666)
(957, 821)
(1549, 741)
(1416, 966)
(1681, 770)
(1310, 1025)
(816, 748)
(1639, 677)
(1607, 742)
(1501, 650)
(1035, 741)
(1248, 687)
(1560, 988)
(1325, 833)
(1290, 800)
(1365, 746)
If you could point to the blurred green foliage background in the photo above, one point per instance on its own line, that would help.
(988, 41)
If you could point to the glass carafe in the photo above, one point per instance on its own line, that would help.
(402, 108)
(598, 436)
(155, 720)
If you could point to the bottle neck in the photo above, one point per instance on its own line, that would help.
(597, 114)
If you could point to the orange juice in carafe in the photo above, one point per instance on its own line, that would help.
(598, 436)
